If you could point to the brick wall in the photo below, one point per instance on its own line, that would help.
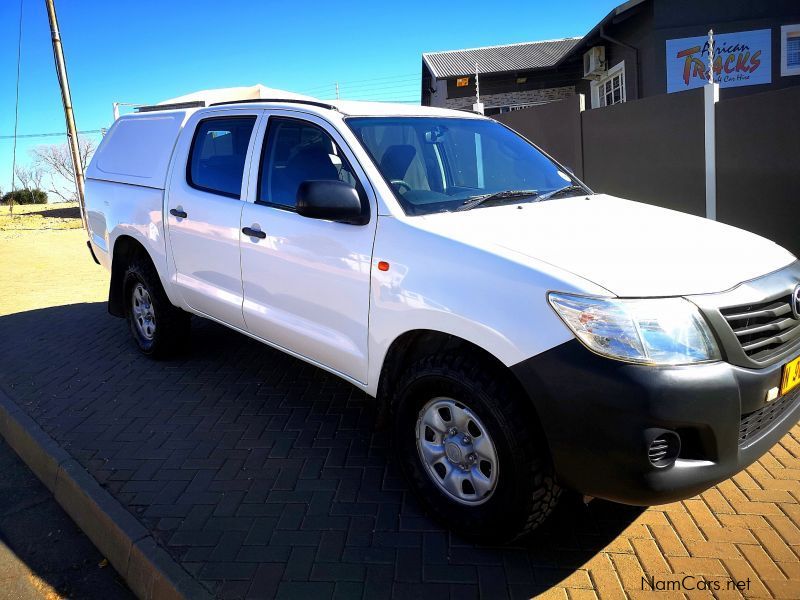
(512, 98)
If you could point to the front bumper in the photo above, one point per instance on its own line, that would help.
(600, 415)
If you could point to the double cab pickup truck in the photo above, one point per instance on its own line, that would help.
(523, 334)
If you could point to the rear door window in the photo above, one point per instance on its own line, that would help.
(217, 157)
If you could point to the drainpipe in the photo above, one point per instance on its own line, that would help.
(608, 38)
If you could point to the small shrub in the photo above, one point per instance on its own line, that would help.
(25, 197)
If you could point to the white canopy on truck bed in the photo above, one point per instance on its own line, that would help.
(234, 94)
(137, 148)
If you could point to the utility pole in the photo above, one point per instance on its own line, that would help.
(337, 90)
(66, 99)
(16, 116)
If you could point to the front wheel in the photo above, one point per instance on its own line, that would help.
(159, 328)
(471, 449)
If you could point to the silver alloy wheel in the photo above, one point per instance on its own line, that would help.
(455, 447)
(143, 315)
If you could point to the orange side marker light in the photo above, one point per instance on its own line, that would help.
(383, 266)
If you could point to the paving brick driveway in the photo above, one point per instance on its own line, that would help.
(264, 476)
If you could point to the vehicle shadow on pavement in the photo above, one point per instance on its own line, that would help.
(262, 474)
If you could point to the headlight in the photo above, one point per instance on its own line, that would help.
(656, 331)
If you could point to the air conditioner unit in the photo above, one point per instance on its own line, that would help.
(594, 62)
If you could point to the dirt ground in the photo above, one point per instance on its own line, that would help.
(28, 241)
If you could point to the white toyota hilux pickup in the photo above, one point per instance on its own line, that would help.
(524, 334)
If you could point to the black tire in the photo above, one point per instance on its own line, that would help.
(525, 492)
(172, 325)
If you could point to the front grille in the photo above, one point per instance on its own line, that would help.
(755, 423)
(763, 329)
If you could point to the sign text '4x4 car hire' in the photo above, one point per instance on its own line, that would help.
(742, 58)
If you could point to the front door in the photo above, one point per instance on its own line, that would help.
(306, 281)
(204, 208)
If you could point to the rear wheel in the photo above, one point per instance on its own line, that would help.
(469, 445)
(159, 328)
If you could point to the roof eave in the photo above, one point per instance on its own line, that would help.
(595, 31)
(430, 66)
(439, 76)
(505, 72)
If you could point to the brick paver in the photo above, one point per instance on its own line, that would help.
(264, 476)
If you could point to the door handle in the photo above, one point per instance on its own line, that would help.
(178, 213)
(254, 232)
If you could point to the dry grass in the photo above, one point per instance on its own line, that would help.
(35, 217)
(41, 269)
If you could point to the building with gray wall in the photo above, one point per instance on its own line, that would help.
(641, 48)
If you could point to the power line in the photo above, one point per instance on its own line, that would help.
(38, 135)
(344, 89)
(372, 80)
(395, 101)
(381, 99)
(380, 84)
(381, 78)
(381, 88)
(382, 94)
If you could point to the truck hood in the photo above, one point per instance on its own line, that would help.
(629, 248)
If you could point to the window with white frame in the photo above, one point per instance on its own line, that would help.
(790, 50)
(611, 88)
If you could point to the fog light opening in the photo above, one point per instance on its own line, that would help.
(664, 449)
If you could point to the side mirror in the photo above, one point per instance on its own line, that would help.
(330, 200)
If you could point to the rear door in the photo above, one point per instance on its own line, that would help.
(204, 207)
(306, 281)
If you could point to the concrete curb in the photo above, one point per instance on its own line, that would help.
(148, 569)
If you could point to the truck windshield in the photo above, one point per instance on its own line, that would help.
(436, 164)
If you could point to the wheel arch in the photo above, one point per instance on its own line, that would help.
(415, 344)
(126, 248)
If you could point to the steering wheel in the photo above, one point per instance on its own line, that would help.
(401, 184)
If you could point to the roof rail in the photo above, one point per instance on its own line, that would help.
(155, 107)
(286, 100)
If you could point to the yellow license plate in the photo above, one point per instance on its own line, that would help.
(791, 376)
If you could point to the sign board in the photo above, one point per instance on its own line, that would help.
(462, 82)
(743, 58)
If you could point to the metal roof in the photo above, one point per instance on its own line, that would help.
(498, 59)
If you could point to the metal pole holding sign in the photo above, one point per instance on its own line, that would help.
(710, 56)
(710, 99)
(478, 106)
(66, 99)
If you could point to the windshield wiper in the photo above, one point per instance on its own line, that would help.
(504, 195)
(567, 188)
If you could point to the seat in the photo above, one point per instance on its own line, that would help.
(396, 161)
(310, 164)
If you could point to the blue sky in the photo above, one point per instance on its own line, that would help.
(146, 51)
